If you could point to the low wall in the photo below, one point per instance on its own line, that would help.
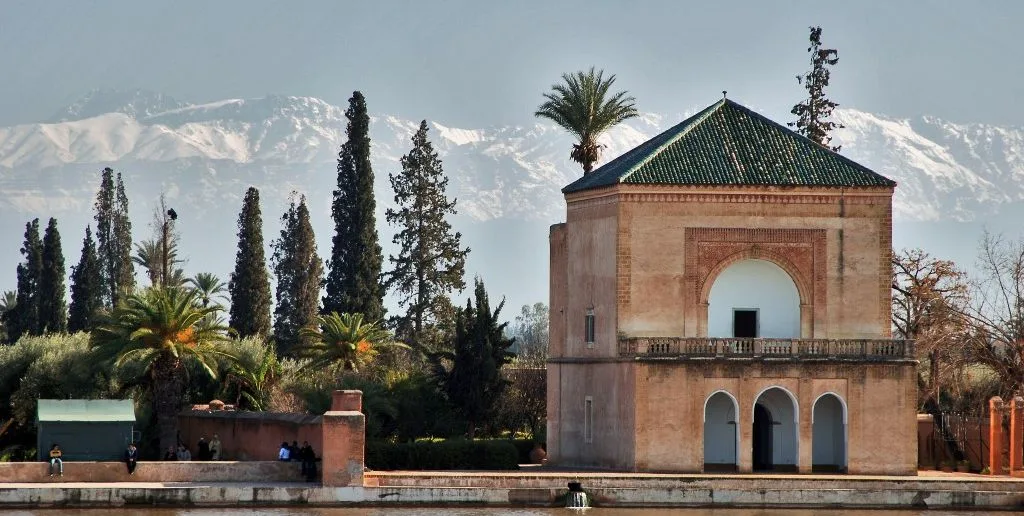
(171, 471)
(249, 435)
(972, 435)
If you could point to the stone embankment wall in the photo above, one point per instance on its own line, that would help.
(222, 471)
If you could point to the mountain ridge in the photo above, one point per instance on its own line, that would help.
(506, 178)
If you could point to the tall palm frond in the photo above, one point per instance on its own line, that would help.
(208, 287)
(583, 106)
(149, 254)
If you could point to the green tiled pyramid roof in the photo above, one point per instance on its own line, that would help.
(728, 144)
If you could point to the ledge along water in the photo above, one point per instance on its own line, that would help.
(544, 489)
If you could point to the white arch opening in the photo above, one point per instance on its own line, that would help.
(775, 416)
(829, 433)
(758, 290)
(721, 435)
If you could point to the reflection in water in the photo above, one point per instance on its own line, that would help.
(464, 511)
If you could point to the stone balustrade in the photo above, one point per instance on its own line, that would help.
(709, 347)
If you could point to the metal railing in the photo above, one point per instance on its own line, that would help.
(868, 349)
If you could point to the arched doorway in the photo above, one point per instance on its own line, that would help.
(754, 298)
(720, 436)
(774, 434)
(828, 434)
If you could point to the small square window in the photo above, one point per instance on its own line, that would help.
(588, 330)
(588, 419)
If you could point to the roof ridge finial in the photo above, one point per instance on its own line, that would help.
(724, 94)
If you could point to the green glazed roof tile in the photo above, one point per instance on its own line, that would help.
(728, 144)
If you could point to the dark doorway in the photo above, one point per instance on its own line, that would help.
(744, 324)
(762, 438)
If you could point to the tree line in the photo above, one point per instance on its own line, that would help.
(167, 343)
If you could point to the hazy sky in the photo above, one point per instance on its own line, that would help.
(480, 63)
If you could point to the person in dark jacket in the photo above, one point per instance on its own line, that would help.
(308, 457)
(131, 458)
(203, 453)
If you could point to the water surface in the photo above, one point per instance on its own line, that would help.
(432, 511)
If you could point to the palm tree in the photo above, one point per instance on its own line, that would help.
(343, 339)
(160, 329)
(8, 300)
(150, 255)
(583, 107)
(208, 287)
(253, 374)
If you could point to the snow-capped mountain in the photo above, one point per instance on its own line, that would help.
(506, 178)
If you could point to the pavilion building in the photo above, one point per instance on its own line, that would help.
(720, 300)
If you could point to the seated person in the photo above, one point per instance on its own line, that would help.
(56, 459)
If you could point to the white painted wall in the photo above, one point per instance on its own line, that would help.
(756, 284)
(829, 433)
(784, 438)
(720, 430)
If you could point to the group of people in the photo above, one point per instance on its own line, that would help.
(131, 459)
(204, 450)
(292, 452)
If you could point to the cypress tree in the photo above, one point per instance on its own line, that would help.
(299, 272)
(474, 382)
(814, 112)
(105, 233)
(24, 319)
(354, 282)
(53, 315)
(249, 286)
(431, 260)
(114, 236)
(124, 272)
(86, 287)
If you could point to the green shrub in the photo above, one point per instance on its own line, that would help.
(498, 454)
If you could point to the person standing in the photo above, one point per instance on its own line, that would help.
(56, 459)
(203, 452)
(284, 453)
(131, 458)
(308, 457)
(215, 448)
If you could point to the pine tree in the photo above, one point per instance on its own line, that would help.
(354, 282)
(24, 319)
(474, 382)
(299, 274)
(814, 112)
(431, 260)
(250, 282)
(114, 236)
(86, 287)
(53, 315)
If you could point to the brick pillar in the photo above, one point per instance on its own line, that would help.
(995, 436)
(344, 436)
(1016, 433)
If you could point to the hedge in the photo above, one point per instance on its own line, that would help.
(495, 454)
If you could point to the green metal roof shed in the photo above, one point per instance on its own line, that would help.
(85, 429)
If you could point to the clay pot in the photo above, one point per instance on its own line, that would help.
(538, 455)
